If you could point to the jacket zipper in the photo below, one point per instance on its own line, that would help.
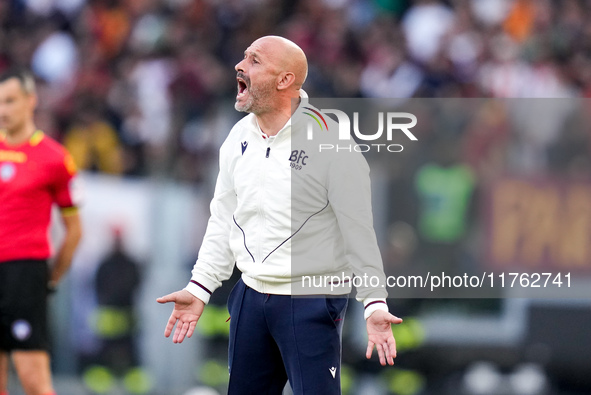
(260, 210)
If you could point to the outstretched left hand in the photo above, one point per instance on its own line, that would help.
(379, 334)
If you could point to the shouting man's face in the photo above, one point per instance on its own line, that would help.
(256, 75)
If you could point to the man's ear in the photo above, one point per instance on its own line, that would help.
(285, 80)
(32, 101)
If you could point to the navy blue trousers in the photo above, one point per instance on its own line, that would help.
(276, 338)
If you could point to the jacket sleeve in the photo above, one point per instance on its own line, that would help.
(349, 193)
(216, 260)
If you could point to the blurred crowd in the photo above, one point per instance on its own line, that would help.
(145, 87)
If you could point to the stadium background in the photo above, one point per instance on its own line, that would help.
(141, 93)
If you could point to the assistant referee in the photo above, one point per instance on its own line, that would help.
(35, 173)
(281, 211)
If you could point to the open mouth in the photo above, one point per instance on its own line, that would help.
(242, 87)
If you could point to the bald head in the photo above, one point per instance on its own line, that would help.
(286, 56)
(270, 76)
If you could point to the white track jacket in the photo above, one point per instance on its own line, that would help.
(296, 221)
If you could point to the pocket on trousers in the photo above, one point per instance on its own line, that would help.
(237, 289)
(336, 308)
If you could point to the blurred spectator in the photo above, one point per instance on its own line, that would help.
(93, 143)
(445, 190)
(503, 74)
(424, 25)
(56, 59)
(117, 280)
(520, 21)
(486, 141)
(109, 26)
(388, 74)
(46, 8)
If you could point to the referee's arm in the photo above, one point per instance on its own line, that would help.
(63, 260)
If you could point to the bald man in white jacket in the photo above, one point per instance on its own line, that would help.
(285, 213)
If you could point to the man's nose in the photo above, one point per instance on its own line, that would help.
(240, 66)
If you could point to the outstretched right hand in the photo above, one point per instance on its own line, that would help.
(187, 310)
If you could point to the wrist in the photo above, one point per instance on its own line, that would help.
(199, 291)
(374, 305)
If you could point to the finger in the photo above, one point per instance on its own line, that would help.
(183, 332)
(169, 325)
(392, 346)
(191, 328)
(166, 298)
(395, 320)
(177, 332)
(387, 354)
(369, 351)
(380, 349)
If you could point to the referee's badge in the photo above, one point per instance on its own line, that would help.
(21, 330)
(7, 171)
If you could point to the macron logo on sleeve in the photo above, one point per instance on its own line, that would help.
(244, 145)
